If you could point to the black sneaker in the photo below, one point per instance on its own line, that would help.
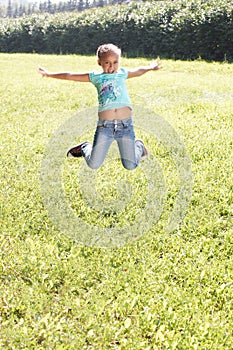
(144, 153)
(76, 151)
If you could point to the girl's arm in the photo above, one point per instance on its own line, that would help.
(142, 70)
(83, 77)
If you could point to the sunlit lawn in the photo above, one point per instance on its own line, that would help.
(162, 291)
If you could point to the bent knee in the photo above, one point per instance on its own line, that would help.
(129, 165)
(94, 166)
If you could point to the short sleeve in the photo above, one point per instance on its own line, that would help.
(91, 76)
(124, 73)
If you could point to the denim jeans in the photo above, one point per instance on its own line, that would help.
(106, 132)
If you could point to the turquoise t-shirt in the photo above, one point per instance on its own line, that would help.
(111, 88)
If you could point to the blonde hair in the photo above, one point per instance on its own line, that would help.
(107, 48)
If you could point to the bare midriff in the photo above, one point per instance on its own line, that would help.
(117, 113)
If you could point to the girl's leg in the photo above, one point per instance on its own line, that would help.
(131, 151)
(95, 155)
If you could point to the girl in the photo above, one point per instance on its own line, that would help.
(114, 111)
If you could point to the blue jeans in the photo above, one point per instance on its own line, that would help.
(106, 132)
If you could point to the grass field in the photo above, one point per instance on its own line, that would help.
(166, 290)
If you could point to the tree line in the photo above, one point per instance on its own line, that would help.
(176, 29)
(14, 10)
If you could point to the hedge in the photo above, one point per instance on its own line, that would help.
(172, 29)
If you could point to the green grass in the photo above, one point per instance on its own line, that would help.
(163, 291)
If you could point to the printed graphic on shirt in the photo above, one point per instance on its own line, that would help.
(109, 92)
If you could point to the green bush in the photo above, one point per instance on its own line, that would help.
(172, 29)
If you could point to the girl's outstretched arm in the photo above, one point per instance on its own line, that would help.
(82, 77)
(142, 70)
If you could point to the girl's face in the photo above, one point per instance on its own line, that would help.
(109, 63)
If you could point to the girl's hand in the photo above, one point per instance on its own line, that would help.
(43, 72)
(156, 65)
